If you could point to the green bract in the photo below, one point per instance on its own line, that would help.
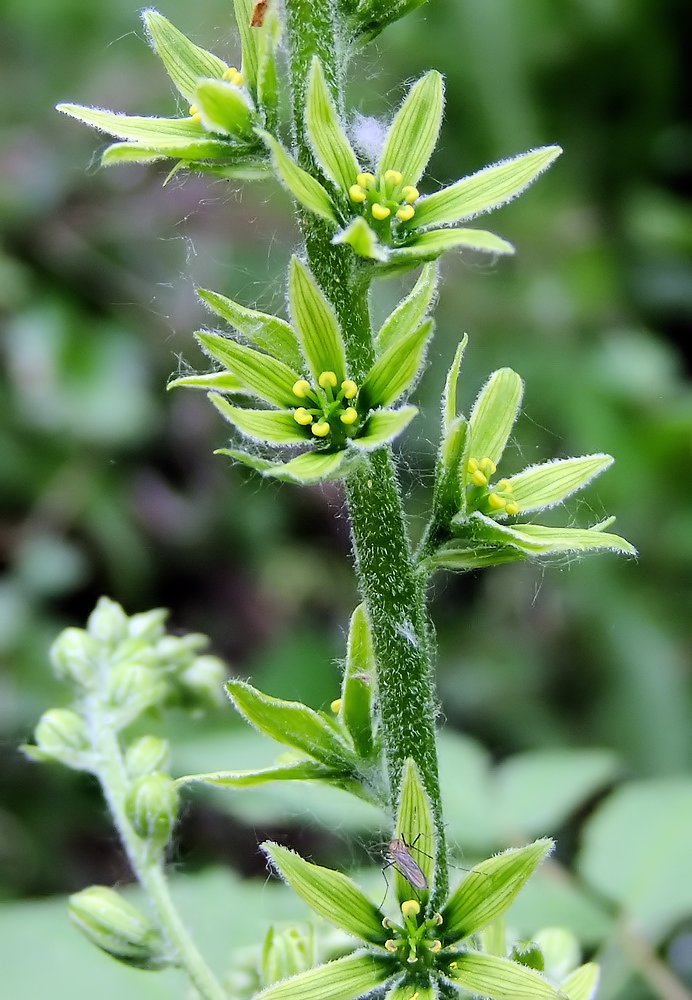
(301, 373)
(376, 207)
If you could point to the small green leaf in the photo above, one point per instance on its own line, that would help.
(333, 896)
(262, 375)
(362, 240)
(300, 770)
(274, 426)
(414, 131)
(485, 190)
(582, 983)
(415, 826)
(249, 39)
(429, 245)
(494, 414)
(326, 133)
(218, 381)
(541, 486)
(190, 150)
(449, 398)
(155, 131)
(411, 312)
(315, 323)
(383, 426)
(489, 889)
(289, 722)
(224, 108)
(299, 182)
(499, 979)
(270, 333)
(542, 540)
(347, 978)
(185, 62)
(358, 683)
(462, 558)
(397, 369)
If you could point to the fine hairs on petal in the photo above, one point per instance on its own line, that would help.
(368, 135)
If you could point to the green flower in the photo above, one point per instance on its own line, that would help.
(301, 376)
(482, 511)
(376, 208)
(225, 104)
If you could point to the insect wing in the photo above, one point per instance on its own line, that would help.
(405, 864)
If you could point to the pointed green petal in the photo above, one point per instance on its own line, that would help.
(330, 894)
(462, 558)
(218, 381)
(449, 398)
(185, 62)
(224, 108)
(252, 461)
(263, 375)
(412, 992)
(358, 685)
(267, 332)
(383, 426)
(300, 770)
(154, 131)
(541, 486)
(289, 722)
(494, 414)
(315, 323)
(362, 240)
(249, 39)
(347, 978)
(414, 131)
(582, 983)
(269, 36)
(485, 190)
(396, 370)
(327, 137)
(416, 828)
(312, 467)
(541, 540)
(299, 182)
(430, 245)
(500, 979)
(489, 889)
(274, 426)
(186, 150)
(411, 312)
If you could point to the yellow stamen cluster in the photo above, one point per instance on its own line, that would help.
(336, 706)
(327, 402)
(386, 196)
(234, 76)
(414, 942)
(498, 498)
(195, 115)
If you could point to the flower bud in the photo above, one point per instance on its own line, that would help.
(133, 688)
(107, 622)
(204, 679)
(148, 625)
(74, 656)
(117, 927)
(62, 734)
(286, 953)
(152, 808)
(147, 754)
(561, 951)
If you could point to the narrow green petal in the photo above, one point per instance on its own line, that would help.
(414, 131)
(299, 182)
(411, 312)
(185, 62)
(582, 983)
(218, 381)
(312, 467)
(462, 558)
(224, 108)
(541, 486)
(357, 689)
(155, 131)
(315, 323)
(186, 150)
(274, 426)
(383, 426)
(266, 377)
(429, 245)
(332, 895)
(489, 889)
(415, 827)
(412, 991)
(500, 979)
(347, 978)
(251, 461)
(485, 190)
(300, 770)
(494, 414)
(449, 398)
(396, 370)
(269, 38)
(270, 333)
(362, 240)
(326, 133)
(542, 540)
(249, 39)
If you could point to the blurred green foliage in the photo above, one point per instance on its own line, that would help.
(109, 485)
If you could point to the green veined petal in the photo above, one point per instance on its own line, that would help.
(300, 770)
(185, 62)
(415, 826)
(383, 426)
(224, 108)
(542, 540)
(412, 991)
(541, 486)
(362, 240)
(411, 312)
(396, 370)
(358, 685)
(326, 133)
(429, 245)
(156, 131)
(347, 978)
(270, 333)
(582, 983)
(218, 381)
(494, 414)
(191, 150)
(463, 558)
(449, 397)
(500, 979)
(274, 426)
(414, 131)
(266, 377)
(249, 39)
(315, 323)
(299, 182)
(312, 467)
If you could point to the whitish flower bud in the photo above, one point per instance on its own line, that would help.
(117, 927)
(133, 688)
(204, 678)
(147, 754)
(62, 734)
(148, 625)
(286, 953)
(175, 650)
(561, 952)
(152, 808)
(108, 622)
(74, 656)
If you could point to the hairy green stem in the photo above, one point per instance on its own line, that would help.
(393, 594)
(149, 871)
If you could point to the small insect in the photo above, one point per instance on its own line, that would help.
(399, 856)
(259, 13)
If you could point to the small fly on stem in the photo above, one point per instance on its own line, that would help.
(399, 856)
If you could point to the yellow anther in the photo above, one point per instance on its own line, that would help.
(366, 181)
(195, 115)
(349, 416)
(320, 429)
(301, 388)
(234, 76)
(416, 995)
(512, 508)
(336, 705)
(357, 193)
(453, 965)
(496, 502)
(410, 193)
(479, 479)
(390, 945)
(412, 959)
(328, 379)
(406, 213)
(488, 466)
(410, 908)
(302, 417)
(471, 465)
(380, 212)
(435, 947)
(386, 923)
(437, 919)
(393, 177)
(350, 389)
(504, 486)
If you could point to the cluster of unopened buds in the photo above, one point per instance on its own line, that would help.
(231, 75)
(385, 197)
(414, 941)
(496, 499)
(325, 404)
